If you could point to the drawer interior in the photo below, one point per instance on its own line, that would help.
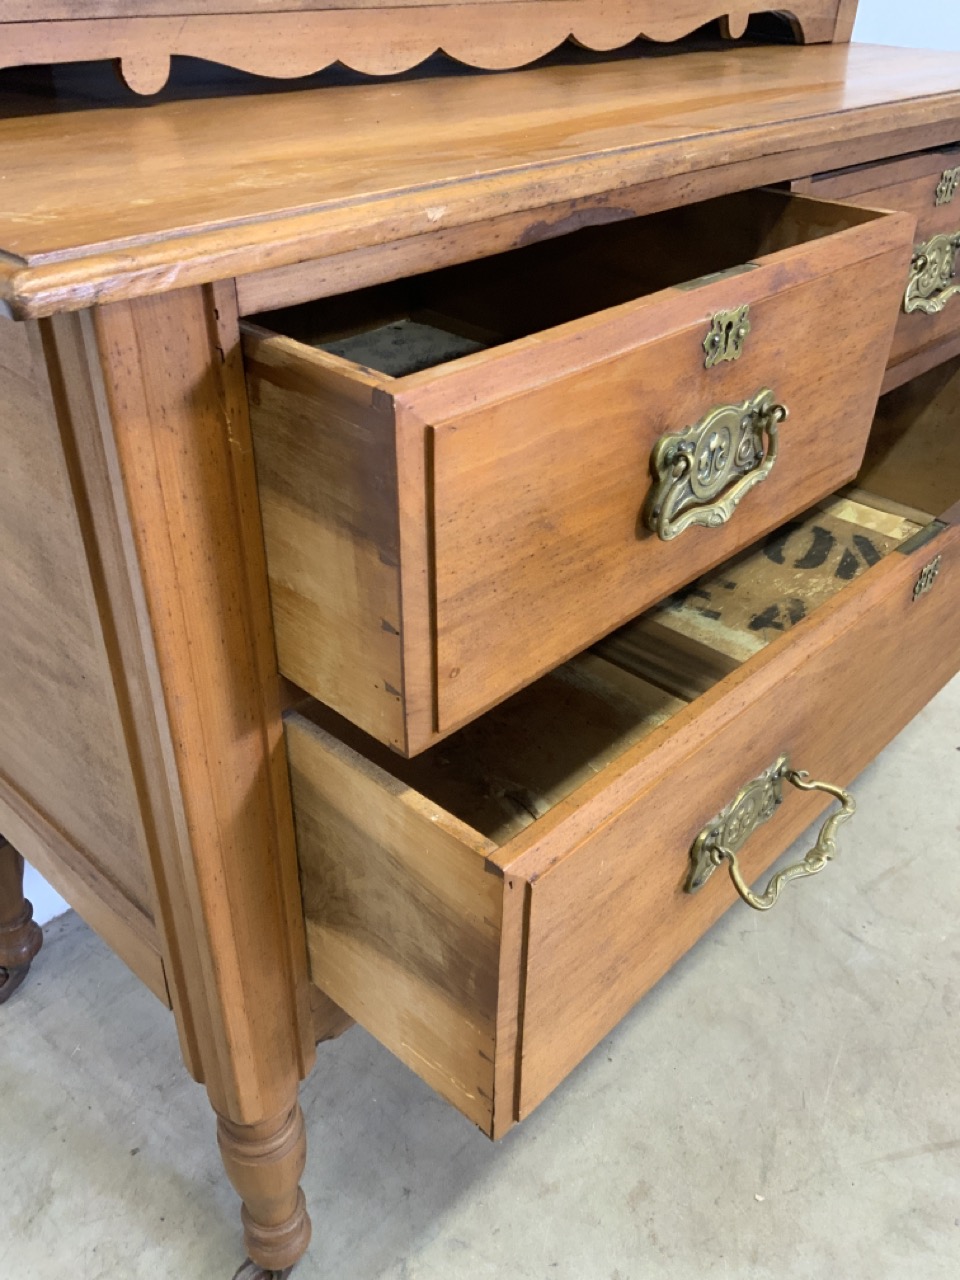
(417, 323)
(913, 453)
(511, 766)
(507, 769)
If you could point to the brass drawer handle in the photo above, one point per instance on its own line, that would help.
(722, 839)
(704, 472)
(930, 286)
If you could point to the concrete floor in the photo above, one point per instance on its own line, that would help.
(784, 1105)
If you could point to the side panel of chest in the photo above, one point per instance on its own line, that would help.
(67, 797)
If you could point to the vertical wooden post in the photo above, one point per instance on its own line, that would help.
(846, 17)
(156, 402)
(20, 938)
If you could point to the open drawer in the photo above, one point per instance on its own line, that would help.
(470, 475)
(492, 908)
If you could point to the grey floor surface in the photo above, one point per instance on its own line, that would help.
(783, 1105)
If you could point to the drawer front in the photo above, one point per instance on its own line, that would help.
(540, 500)
(608, 914)
(928, 186)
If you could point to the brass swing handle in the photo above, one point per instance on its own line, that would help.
(930, 286)
(703, 473)
(721, 840)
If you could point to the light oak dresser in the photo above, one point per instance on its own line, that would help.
(458, 531)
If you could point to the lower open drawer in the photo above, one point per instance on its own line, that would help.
(491, 909)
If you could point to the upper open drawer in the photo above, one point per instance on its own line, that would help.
(470, 475)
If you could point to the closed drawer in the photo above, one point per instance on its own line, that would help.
(926, 185)
(491, 909)
(438, 538)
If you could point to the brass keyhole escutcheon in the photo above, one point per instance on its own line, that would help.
(928, 576)
(948, 186)
(728, 333)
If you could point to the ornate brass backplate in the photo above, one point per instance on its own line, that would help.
(930, 286)
(948, 186)
(928, 576)
(751, 807)
(728, 333)
(703, 472)
(721, 840)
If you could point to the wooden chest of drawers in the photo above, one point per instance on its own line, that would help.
(554, 694)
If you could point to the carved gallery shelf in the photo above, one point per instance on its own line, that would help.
(286, 38)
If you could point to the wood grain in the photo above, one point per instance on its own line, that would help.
(67, 791)
(623, 883)
(151, 416)
(339, 273)
(327, 474)
(846, 19)
(155, 394)
(194, 535)
(403, 916)
(497, 145)
(922, 362)
(537, 500)
(380, 37)
(491, 490)
(97, 900)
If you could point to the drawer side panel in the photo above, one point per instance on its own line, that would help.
(403, 917)
(326, 470)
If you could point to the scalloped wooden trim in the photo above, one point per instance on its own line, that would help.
(490, 34)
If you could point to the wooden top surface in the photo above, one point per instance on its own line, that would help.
(120, 201)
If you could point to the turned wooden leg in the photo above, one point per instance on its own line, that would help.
(265, 1162)
(20, 938)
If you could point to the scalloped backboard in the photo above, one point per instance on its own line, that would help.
(288, 38)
